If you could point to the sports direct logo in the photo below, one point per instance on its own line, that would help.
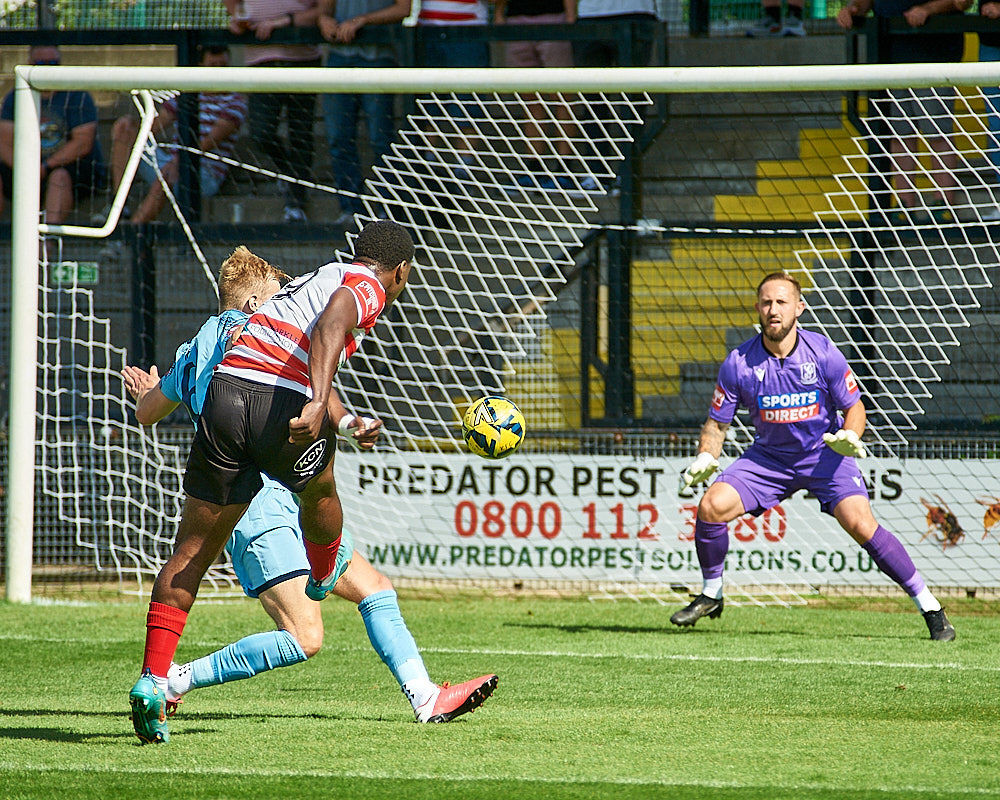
(790, 407)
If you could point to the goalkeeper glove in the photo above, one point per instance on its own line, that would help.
(845, 442)
(351, 424)
(701, 469)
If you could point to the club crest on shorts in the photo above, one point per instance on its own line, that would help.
(310, 458)
(807, 370)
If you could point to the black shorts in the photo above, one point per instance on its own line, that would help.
(243, 431)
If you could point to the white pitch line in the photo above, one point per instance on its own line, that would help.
(836, 662)
(134, 769)
(691, 657)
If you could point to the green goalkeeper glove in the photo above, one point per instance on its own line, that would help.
(701, 469)
(845, 442)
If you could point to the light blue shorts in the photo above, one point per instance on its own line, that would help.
(211, 180)
(266, 546)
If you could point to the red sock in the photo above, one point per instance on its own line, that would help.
(322, 557)
(164, 625)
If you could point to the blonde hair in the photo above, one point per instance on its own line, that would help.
(244, 274)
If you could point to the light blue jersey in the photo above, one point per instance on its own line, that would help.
(266, 545)
(187, 380)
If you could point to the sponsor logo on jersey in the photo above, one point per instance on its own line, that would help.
(366, 293)
(311, 458)
(807, 372)
(271, 335)
(370, 296)
(850, 381)
(788, 400)
(788, 407)
(718, 398)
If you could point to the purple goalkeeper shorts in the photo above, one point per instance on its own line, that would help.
(762, 482)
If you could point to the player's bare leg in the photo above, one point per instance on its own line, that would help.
(201, 535)
(855, 516)
(322, 519)
(292, 611)
(298, 636)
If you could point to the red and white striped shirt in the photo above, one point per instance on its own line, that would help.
(212, 106)
(452, 12)
(274, 346)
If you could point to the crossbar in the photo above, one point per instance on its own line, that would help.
(580, 79)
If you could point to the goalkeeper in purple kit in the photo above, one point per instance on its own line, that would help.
(808, 418)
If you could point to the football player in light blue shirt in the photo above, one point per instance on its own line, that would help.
(266, 546)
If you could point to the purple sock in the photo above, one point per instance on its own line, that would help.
(891, 558)
(711, 542)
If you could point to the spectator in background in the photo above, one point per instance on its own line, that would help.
(535, 53)
(339, 22)
(71, 166)
(989, 50)
(770, 24)
(220, 116)
(604, 52)
(439, 51)
(292, 156)
(912, 114)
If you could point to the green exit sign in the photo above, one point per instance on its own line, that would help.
(78, 272)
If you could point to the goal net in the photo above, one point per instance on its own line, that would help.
(516, 291)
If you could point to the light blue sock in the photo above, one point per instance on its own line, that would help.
(391, 638)
(250, 656)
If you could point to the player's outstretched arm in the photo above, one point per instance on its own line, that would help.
(713, 434)
(151, 405)
(847, 441)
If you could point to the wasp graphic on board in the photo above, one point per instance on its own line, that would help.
(942, 522)
(992, 515)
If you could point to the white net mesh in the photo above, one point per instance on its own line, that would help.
(902, 287)
(501, 221)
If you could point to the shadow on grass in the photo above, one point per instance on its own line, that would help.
(586, 628)
(201, 716)
(705, 630)
(54, 735)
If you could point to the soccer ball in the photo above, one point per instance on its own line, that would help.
(493, 427)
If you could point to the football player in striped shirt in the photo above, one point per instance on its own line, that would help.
(340, 301)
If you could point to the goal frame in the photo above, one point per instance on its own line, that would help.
(30, 81)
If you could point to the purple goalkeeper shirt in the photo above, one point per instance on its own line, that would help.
(792, 401)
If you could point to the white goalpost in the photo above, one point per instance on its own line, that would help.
(492, 260)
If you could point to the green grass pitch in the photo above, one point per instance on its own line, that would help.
(844, 699)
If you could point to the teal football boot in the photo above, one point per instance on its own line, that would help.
(149, 710)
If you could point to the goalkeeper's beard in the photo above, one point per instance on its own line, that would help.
(779, 335)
